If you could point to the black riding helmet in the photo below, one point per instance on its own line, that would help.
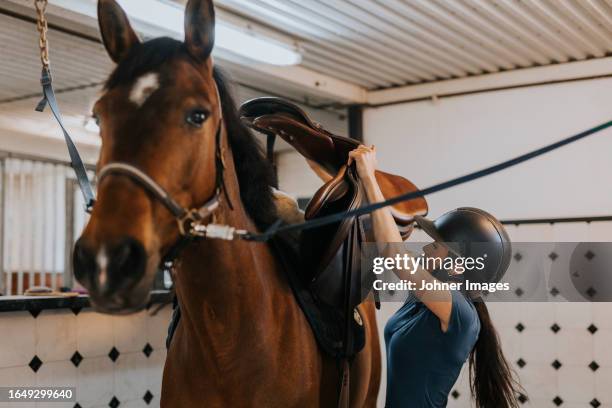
(471, 232)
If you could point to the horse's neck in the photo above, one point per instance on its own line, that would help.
(224, 287)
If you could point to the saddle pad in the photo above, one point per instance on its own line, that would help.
(327, 322)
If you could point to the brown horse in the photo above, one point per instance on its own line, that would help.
(242, 339)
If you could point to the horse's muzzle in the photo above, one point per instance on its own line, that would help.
(113, 275)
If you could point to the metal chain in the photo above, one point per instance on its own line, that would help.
(43, 28)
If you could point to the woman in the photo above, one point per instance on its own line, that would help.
(434, 333)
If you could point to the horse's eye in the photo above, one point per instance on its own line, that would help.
(196, 118)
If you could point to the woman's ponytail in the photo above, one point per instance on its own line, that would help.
(491, 379)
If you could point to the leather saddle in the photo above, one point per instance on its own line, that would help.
(278, 117)
(330, 254)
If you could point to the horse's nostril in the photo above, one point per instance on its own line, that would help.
(84, 262)
(109, 270)
(128, 260)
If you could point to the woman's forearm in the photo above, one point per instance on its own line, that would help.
(385, 231)
(383, 224)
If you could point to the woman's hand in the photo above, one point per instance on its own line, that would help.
(365, 160)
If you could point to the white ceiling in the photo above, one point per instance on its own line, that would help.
(385, 43)
(351, 48)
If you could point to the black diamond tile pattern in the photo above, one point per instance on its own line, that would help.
(589, 255)
(555, 328)
(556, 364)
(521, 363)
(553, 256)
(114, 403)
(594, 366)
(455, 394)
(147, 350)
(77, 405)
(148, 397)
(35, 363)
(522, 398)
(519, 292)
(519, 327)
(591, 292)
(558, 401)
(35, 312)
(592, 328)
(595, 403)
(518, 257)
(554, 292)
(114, 354)
(76, 358)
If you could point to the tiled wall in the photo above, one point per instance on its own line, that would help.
(111, 360)
(561, 352)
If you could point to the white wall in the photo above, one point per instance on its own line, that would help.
(429, 142)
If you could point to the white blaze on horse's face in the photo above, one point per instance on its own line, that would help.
(102, 261)
(144, 87)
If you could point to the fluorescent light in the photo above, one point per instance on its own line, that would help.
(254, 47)
(242, 42)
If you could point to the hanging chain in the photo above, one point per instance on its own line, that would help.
(43, 28)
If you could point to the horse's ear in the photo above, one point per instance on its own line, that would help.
(117, 33)
(200, 28)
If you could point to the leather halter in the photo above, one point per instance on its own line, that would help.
(190, 221)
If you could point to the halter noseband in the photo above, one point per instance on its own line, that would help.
(190, 221)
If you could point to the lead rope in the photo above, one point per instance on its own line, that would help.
(49, 99)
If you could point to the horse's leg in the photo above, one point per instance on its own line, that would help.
(366, 367)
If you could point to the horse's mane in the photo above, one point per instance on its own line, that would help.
(255, 172)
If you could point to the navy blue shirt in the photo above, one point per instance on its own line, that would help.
(423, 362)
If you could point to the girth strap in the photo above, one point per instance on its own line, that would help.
(75, 158)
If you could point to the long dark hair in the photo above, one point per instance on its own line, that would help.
(492, 381)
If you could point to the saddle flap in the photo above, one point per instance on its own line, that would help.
(331, 191)
(405, 211)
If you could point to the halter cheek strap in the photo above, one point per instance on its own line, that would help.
(183, 216)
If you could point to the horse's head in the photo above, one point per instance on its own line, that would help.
(160, 113)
